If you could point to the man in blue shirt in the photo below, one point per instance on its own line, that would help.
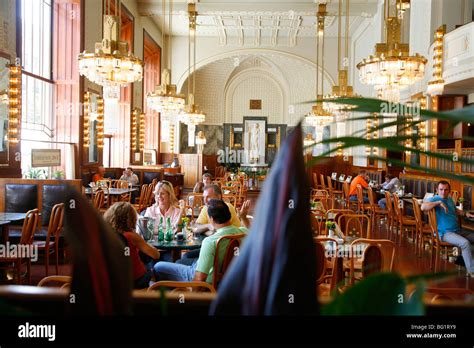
(448, 227)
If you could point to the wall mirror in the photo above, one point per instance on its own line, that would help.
(93, 125)
(4, 109)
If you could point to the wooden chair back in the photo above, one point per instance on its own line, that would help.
(360, 195)
(397, 208)
(56, 281)
(325, 264)
(29, 226)
(378, 256)
(435, 240)
(98, 200)
(322, 183)
(182, 286)
(346, 190)
(55, 222)
(119, 183)
(234, 242)
(143, 199)
(151, 194)
(317, 193)
(355, 225)
(329, 186)
(315, 180)
(104, 183)
(389, 205)
(417, 213)
(232, 199)
(370, 194)
(318, 217)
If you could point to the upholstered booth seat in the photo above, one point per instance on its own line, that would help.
(149, 176)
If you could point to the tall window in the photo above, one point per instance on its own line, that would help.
(37, 91)
(50, 43)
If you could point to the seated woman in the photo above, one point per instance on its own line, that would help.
(123, 218)
(167, 205)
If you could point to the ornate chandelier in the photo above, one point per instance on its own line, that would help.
(164, 98)
(392, 67)
(191, 115)
(111, 64)
(319, 116)
(342, 90)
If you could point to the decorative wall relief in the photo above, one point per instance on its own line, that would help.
(214, 135)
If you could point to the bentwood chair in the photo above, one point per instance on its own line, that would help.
(355, 225)
(325, 266)
(391, 218)
(315, 182)
(405, 223)
(349, 204)
(378, 255)
(51, 244)
(336, 195)
(437, 245)
(142, 200)
(362, 207)
(56, 281)
(231, 250)
(321, 182)
(26, 242)
(182, 286)
(375, 210)
(317, 222)
(98, 200)
(423, 231)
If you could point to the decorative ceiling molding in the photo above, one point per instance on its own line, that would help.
(258, 23)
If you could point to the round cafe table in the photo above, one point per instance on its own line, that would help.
(176, 246)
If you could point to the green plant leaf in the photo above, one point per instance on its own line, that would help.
(378, 294)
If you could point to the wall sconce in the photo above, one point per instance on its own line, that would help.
(171, 141)
(133, 130)
(100, 123)
(436, 86)
(85, 124)
(138, 130)
(372, 133)
(142, 132)
(200, 142)
(14, 100)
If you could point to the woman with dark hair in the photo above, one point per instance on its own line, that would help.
(123, 218)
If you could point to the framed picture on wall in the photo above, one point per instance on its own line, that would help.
(255, 135)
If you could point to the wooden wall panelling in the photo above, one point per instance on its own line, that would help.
(66, 46)
(151, 78)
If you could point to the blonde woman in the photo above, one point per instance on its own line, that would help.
(167, 205)
(123, 219)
